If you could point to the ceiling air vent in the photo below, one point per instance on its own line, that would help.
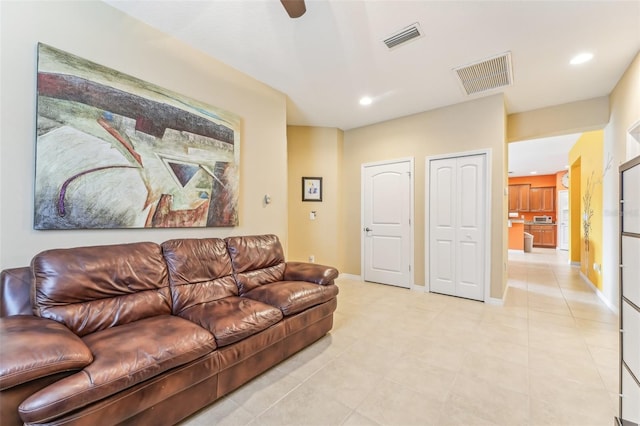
(487, 74)
(404, 35)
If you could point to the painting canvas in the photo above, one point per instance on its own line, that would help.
(113, 151)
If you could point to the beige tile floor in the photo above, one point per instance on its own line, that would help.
(548, 356)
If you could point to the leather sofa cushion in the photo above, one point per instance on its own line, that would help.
(292, 297)
(123, 356)
(58, 349)
(256, 260)
(199, 271)
(89, 289)
(249, 280)
(233, 318)
(244, 349)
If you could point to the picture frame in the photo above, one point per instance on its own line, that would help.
(117, 152)
(312, 189)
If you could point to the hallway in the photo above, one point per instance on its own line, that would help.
(573, 338)
(549, 356)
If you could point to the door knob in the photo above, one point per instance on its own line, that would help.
(367, 229)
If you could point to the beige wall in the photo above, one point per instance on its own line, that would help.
(574, 117)
(474, 125)
(625, 112)
(96, 31)
(315, 152)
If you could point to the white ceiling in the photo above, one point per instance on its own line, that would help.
(543, 156)
(327, 59)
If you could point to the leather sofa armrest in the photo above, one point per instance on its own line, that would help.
(34, 347)
(311, 272)
(15, 292)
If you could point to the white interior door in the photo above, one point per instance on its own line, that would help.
(457, 224)
(386, 222)
(563, 220)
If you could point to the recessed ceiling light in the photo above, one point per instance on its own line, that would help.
(533, 173)
(365, 100)
(581, 58)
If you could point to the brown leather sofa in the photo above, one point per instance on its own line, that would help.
(148, 334)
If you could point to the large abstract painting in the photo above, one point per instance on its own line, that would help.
(113, 151)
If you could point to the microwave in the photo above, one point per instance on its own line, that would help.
(542, 219)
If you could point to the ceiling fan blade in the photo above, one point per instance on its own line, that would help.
(295, 8)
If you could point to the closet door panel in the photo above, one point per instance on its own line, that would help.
(630, 398)
(631, 336)
(631, 268)
(631, 205)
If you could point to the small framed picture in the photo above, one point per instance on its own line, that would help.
(311, 189)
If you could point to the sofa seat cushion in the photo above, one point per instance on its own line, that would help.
(58, 349)
(233, 318)
(292, 297)
(123, 356)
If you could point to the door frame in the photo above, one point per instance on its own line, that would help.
(411, 162)
(563, 192)
(487, 215)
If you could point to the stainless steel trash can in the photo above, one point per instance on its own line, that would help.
(528, 242)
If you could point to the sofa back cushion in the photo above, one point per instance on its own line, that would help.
(256, 260)
(93, 288)
(199, 271)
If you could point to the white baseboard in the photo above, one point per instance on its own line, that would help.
(420, 288)
(600, 295)
(494, 301)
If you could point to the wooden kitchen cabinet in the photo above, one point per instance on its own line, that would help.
(543, 235)
(519, 198)
(542, 199)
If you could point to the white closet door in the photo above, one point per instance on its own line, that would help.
(456, 220)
